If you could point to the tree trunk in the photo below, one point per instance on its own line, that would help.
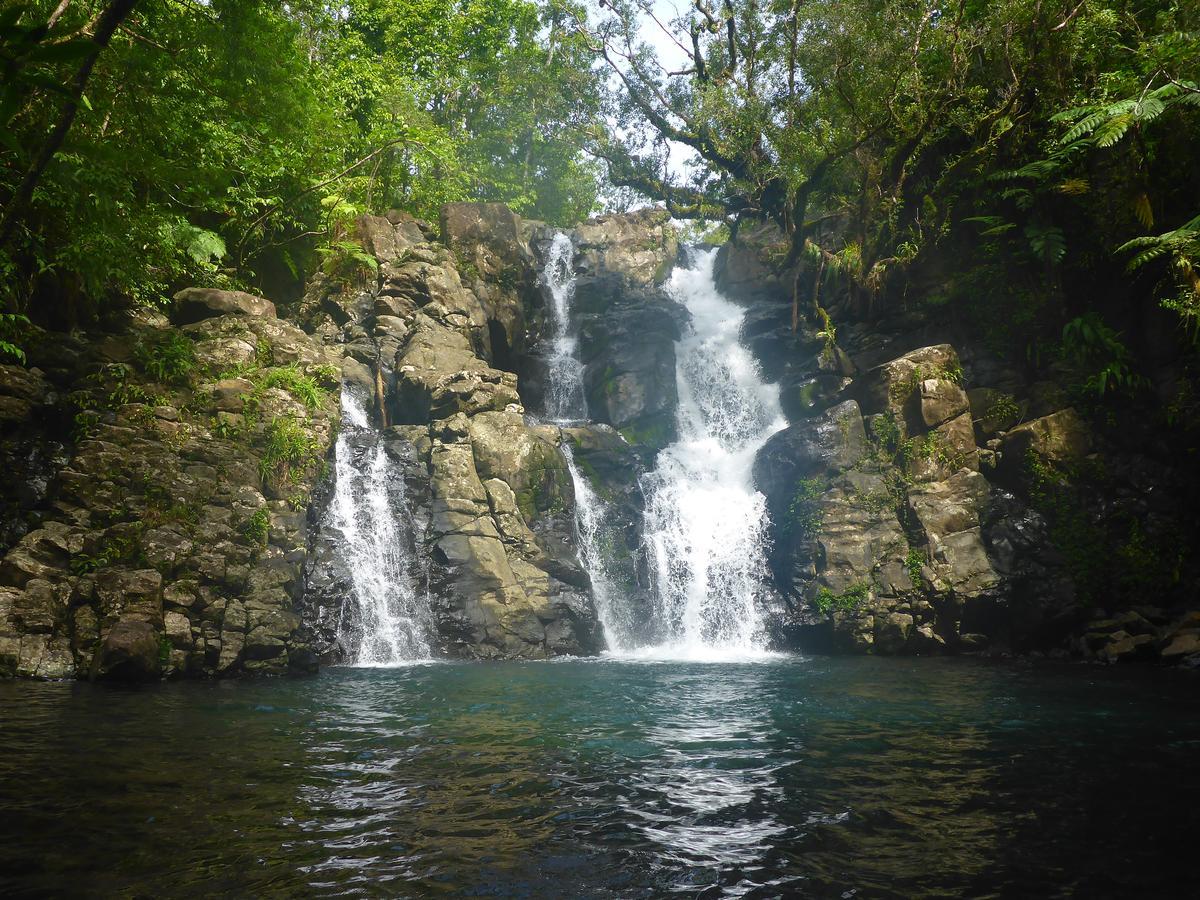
(105, 25)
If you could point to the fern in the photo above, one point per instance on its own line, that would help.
(1047, 242)
(13, 328)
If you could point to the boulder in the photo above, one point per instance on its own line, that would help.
(1061, 437)
(129, 652)
(898, 388)
(641, 246)
(196, 304)
(386, 238)
(821, 447)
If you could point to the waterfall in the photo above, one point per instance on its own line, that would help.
(565, 402)
(705, 523)
(389, 621)
(566, 405)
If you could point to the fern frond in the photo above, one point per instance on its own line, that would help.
(1074, 186)
(1113, 130)
(1083, 127)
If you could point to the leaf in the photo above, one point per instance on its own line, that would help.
(1142, 210)
(201, 246)
(1113, 130)
(1073, 187)
(1048, 242)
(1084, 126)
(9, 17)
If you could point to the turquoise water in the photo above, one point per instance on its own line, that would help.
(793, 777)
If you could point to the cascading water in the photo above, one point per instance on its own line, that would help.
(565, 402)
(566, 405)
(390, 622)
(705, 523)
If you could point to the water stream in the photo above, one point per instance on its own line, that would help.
(388, 622)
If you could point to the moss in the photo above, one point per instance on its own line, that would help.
(655, 433)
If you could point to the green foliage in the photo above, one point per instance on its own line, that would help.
(13, 327)
(288, 451)
(826, 602)
(210, 134)
(292, 379)
(164, 649)
(170, 359)
(257, 527)
(914, 562)
(1003, 412)
(804, 515)
(1099, 349)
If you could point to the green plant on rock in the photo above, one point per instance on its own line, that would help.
(1003, 411)
(85, 424)
(886, 431)
(914, 562)
(164, 649)
(804, 515)
(257, 527)
(826, 602)
(288, 450)
(292, 379)
(171, 360)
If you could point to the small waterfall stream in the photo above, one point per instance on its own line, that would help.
(565, 401)
(566, 405)
(389, 622)
(704, 522)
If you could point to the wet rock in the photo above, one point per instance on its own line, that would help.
(129, 652)
(824, 446)
(627, 346)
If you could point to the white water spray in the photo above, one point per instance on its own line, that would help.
(393, 622)
(705, 523)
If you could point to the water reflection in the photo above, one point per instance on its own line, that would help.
(820, 778)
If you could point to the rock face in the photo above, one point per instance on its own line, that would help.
(169, 517)
(173, 539)
(923, 503)
(627, 324)
(627, 344)
(639, 246)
